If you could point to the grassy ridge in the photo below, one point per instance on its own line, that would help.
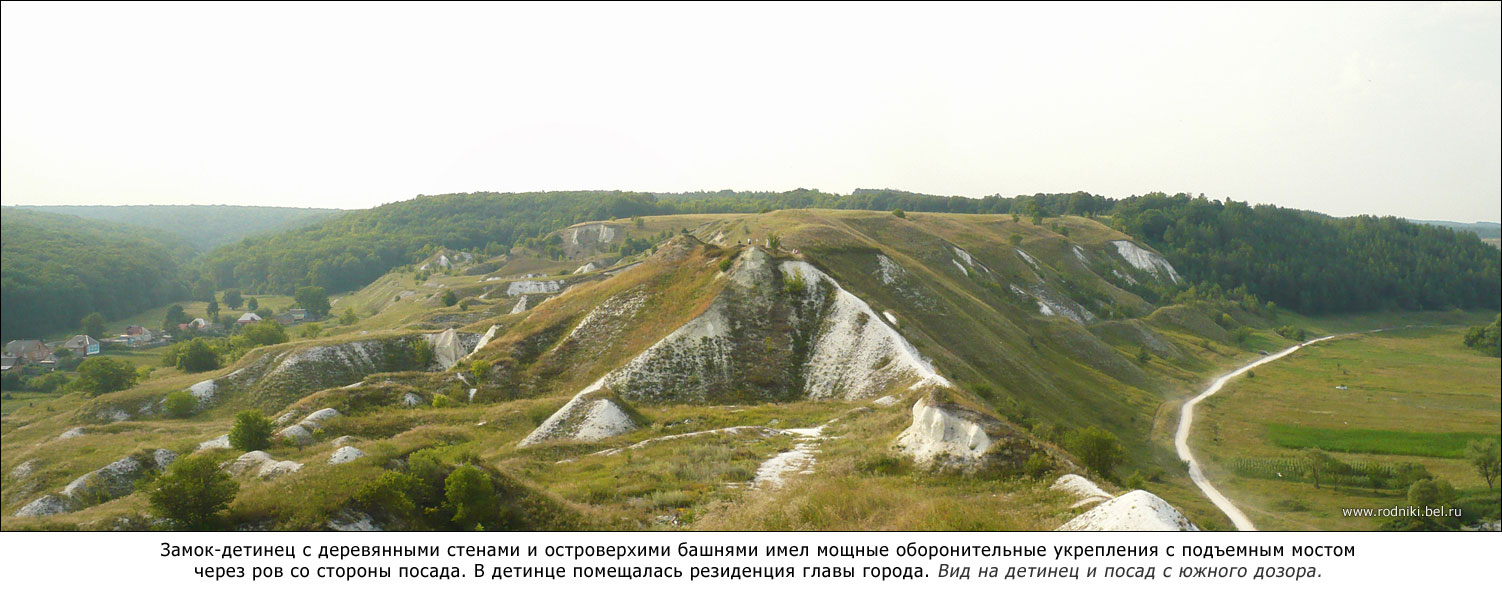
(1437, 445)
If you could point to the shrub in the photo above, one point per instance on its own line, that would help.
(1097, 448)
(193, 356)
(1037, 465)
(441, 400)
(265, 332)
(390, 496)
(252, 431)
(471, 497)
(449, 298)
(180, 404)
(97, 376)
(899, 213)
(192, 493)
(725, 264)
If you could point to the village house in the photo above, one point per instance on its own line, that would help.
(248, 318)
(82, 345)
(27, 351)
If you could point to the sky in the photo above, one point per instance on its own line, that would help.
(1389, 109)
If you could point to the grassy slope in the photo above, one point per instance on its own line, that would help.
(1414, 381)
(995, 346)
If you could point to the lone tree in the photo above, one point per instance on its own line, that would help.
(192, 493)
(1097, 448)
(232, 299)
(1486, 456)
(252, 431)
(97, 376)
(1318, 463)
(449, 298)
(93, 325)
(313, 298)
(175, 316)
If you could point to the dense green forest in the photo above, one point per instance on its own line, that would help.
(1302, 260)
(203, 227)
(56, 269)
(1314, 263)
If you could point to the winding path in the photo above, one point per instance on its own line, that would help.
(1181, 437)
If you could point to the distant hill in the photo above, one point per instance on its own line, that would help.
(203, 227)
(1481, 229)
(56, 269)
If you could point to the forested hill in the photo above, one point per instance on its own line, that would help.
(1482, 229)
(1301, 260)
(56, 269)
(203, 227)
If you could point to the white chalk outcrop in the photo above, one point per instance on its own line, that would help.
(586, 418)
(345, 454)
(521, 304)
(943, 436)
(261, 465)
(521, 287)
(216, 443)
(1145, 260)
(450, 346)
(1085, 490)
(854, 354)
(301, 433)
(111, 481)
(1133, 511)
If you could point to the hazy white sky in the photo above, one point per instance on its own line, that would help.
(1345, 109)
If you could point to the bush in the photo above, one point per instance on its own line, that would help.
(265, 332)
(899, 213)
(440, 401)
(471, 497)
(725, 264)
(252, 431)
(390, 496)
(1097, 448)
(1037, 465)
(192, 493)
(449, 298)
(193, 356)
(97, 376)
(180, 404)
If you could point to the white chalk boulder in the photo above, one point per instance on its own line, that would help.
(1134, 511)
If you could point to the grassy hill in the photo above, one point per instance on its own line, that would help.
(726, 342)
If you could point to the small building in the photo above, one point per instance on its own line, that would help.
(248, 318)
(8, 361)
(27, 351)
(82, 345)
(286, 319)
(136, 336)
(299, 314)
